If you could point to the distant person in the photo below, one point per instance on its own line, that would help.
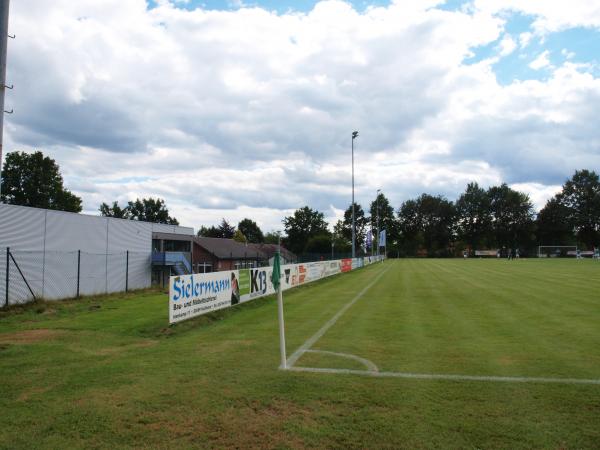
(509, 253)
(235, 290)
(465, 254)
(596, 253)
(498, 253)
(578, 253)
(517, 255)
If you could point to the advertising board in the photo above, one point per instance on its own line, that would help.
(346, 265)
(193, 295)
(196, 294)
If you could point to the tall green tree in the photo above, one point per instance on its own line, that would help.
(512, 217)
(411, 229)
(381, 207)
(554, 224)
(428, 223)
(145, 210)
(304, 224)
(473, 217)
(35, 180)
(581, 197)
(227, 230)
(343, 228)
(251, 230)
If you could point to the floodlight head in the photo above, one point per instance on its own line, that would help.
(354, 134)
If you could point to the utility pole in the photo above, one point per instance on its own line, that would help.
(4, 6)
(354, 136)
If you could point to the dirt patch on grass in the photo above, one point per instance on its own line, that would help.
(259, 425)
(30, 336)
(254, 424)
(122, 348)
(26, 395)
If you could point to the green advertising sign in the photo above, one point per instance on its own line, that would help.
(244, 282)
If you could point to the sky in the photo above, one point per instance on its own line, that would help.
(233, 109)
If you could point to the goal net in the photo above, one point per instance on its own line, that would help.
(557, 251)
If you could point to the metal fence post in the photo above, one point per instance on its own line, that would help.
(127, 272)
(7, 273)
(78, 270)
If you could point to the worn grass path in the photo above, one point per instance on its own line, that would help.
(101, 373)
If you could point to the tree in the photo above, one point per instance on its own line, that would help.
(238, 236)
(271, 238)
(429, 222)
(410, 227)
(227, 231)
(554, 225)
(320, 243)
(387, 220)
(474, 218)
(35, 180)
(114, 211)
(303, 225)
(581, 198)
(211, 231)
(512, 217)
(251, 230)
(145, 210)
(343, 228)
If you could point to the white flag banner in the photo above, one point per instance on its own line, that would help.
(382, 238)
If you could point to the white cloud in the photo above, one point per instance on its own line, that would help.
(567, 54)
(507, 45)
(541, 61)
(550, 15)
(247, 112)
(525, 39)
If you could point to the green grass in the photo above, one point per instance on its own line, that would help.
(101, 373)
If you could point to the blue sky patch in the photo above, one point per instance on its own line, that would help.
(271, 5)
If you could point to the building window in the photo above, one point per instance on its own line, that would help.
(177, 246)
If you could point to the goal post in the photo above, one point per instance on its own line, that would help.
(557, 251)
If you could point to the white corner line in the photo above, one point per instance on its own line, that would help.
(446, 377)
(371, 367)
(313, 339)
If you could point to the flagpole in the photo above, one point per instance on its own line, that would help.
(280, 307)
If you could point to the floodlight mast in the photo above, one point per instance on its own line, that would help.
(378, 191)
(354, 136)
(4, 4)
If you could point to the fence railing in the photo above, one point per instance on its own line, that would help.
(29, 275)
(173, 258)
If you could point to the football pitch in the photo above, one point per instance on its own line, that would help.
(405, 354)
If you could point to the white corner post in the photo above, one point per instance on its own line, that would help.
(280, 313)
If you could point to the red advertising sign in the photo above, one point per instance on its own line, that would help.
(346, 265)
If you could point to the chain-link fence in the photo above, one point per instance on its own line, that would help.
(29, 275)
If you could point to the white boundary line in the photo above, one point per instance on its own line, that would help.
(312, 340)
(374, 371)
(432, 376)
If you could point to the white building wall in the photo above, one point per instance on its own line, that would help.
(45, 244)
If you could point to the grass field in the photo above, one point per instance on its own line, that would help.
(100, 373)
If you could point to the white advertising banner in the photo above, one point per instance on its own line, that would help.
(197, 294)
(193, 295)
(260, 284)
